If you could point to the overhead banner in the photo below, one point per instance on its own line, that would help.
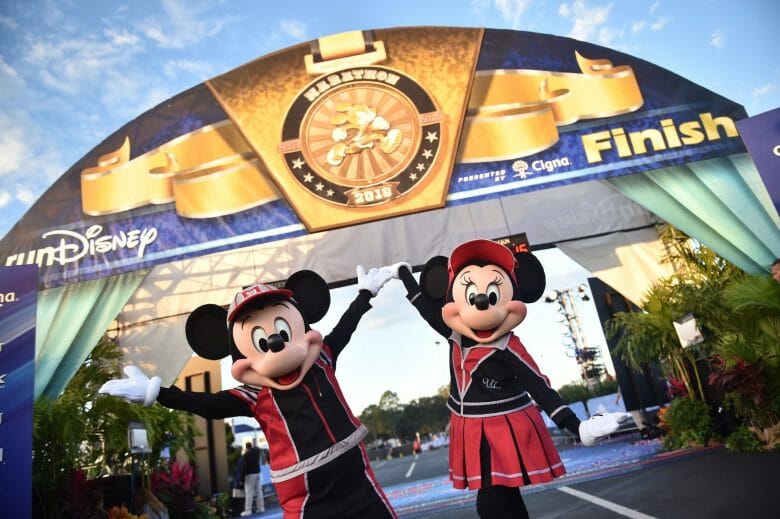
(358, 127)
(18, 296)
(761, 135)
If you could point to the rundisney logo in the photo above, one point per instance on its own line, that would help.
(73, 246)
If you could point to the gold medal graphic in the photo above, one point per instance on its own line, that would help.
(361, 137)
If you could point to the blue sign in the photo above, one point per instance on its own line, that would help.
(761, 135)
(18, 296)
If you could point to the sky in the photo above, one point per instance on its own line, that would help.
(72, 72)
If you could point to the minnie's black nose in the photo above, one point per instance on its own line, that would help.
(275, 343)
(481, 302)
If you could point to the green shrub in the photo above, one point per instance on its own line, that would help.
(687, 422)
(743, 440)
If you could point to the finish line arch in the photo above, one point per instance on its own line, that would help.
(381, 146)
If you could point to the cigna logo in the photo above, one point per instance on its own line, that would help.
(522, 169)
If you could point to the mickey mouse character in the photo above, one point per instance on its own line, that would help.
(319, 463)
(498, 440)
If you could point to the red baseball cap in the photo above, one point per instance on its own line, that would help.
(251, 293)
(486, 251)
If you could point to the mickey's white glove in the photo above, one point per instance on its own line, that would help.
(396, 267)
(137, 388)
(600, 425)
(374, 279)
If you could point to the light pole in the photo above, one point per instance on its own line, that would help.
(573, 333)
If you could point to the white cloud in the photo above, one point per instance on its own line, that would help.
(199, 69)
(122, 37)
(5, 198)
(659, 24)
(587, 19)
(638, 27)
(512, 10)
(763, 90)
(718, 39)
(480, 6)
(185, 23)
(13, 147)
(8, 22)
(607, 35)
(25, 194)
(294, 29)
(654, 7)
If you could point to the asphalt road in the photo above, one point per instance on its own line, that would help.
(711, 483)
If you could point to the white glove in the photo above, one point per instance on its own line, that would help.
(600, 425)
(137, 388)
(396, 267)
(374, 279)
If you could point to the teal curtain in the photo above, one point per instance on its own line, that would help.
(721, 202)
(71, 319)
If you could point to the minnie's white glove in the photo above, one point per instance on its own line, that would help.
(374, 279)
(600, 425)
(137, 388)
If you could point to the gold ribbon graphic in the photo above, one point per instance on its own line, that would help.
(206, 173)
(515, 113)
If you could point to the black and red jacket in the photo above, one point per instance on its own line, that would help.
(306, 426)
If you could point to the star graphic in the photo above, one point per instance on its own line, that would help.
(413, 176)
(298, 163)
(420, 166)
(308, 177)
(329, 192)
(319, 186)
(432, 136)
(427, 154)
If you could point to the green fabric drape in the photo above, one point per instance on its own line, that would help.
(720, 202)
(70, 321)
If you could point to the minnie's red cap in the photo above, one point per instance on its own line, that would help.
(251, 293)
(476, 251)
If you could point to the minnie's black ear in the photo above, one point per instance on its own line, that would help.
(311, 294)
(207, 332)
(530, 277)
(434, 278)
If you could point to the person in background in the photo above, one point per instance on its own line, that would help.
(251, 473)
(776, 270)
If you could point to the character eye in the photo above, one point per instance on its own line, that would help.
(260, 339)
(493, 293)
(471, 293)
(283, 329)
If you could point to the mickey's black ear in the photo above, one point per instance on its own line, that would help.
(207, 332)
(434, 278)
(530, 277)
(311, 294)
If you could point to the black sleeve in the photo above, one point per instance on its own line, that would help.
(208, 405)
(547, 398)
(338, 338)
(429, 311)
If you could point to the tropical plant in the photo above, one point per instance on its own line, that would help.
(696, 287)
(687, 423)
(743, 440)
(176, 487)
(81, 434)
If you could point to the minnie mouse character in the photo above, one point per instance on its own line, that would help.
(498, 440)
(319, 463)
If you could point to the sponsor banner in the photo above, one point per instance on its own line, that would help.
(358, 127)
(761, 135)
(18, 296)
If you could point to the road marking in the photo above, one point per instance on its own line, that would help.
(609, 505)
(409, 472)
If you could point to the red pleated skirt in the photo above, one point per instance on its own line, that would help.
(521, 450)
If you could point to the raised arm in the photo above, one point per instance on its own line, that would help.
(369, 283)
(428, 309)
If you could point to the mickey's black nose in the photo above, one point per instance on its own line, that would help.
(481, 302)
(275, 343)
